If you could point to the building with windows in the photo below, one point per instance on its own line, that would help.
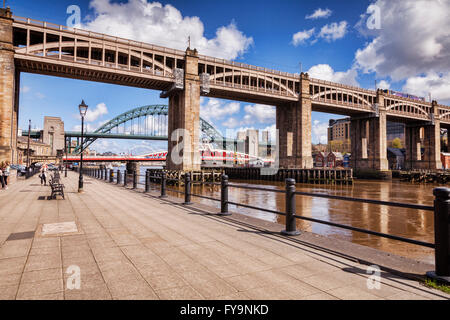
(339, 135)
(37, 149)
(53, 134)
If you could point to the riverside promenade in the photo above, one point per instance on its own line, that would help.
(130, 245)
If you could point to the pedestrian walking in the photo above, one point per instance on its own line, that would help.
(43, 174)
(5, 171)
(1, 176)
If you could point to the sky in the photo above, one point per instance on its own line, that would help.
(401, 45)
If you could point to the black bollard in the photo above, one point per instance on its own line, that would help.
(134, 179)
(118, 177)
(147, 181)
(441, 235)
(224, 197)
(291, 229)
(106, 174)
(125, 174)
(163, 185)
(101, 174)
(187, 188)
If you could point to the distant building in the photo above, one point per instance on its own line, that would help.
(396, 158)
(394, 131)
(335, 159)
(320, 160)
(339, 134)
(251, 142)
(265, 136)
(445, 159)
(339, 130)
(53, 134)
(37, 149)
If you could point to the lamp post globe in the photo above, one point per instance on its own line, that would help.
(83, 109)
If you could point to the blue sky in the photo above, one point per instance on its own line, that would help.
(331, 39)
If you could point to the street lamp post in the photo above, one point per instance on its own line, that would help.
(83, 108)
(28, 149)
(65, 163)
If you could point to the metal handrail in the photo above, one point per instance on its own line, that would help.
(371, 201)
(375, 233)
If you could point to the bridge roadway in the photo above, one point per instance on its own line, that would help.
(129, 245)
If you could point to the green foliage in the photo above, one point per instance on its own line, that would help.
(434, 284)
(397, 143)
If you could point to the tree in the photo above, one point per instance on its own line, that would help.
(397, 143)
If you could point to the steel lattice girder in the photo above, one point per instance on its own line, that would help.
(209, 132)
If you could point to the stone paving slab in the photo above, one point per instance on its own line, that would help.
(130, 245)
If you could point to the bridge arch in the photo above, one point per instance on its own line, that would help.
(332, 91)
(207, 130)
(404, 105)
(54, 49)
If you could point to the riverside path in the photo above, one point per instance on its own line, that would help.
(113, 243)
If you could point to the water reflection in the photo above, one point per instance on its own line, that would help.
(409, 223)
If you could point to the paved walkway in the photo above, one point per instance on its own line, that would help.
(135, 246)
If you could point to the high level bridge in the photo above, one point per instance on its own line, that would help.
(28, 45)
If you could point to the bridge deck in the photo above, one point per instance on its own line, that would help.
(135, 246)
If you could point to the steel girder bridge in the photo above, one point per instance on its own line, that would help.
(142, 123)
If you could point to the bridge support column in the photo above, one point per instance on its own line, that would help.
(133, 166)
(184, 120)
(368, 142)
(294, 130)
(8, 89)
(423, 143)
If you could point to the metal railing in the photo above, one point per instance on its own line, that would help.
(441, 209)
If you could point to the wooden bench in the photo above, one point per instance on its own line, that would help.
(56, 186)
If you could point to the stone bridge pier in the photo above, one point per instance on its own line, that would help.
(368, 141)
(9, 89)
(293, 121)
(423, 143)
(133, 166)
(184, 119)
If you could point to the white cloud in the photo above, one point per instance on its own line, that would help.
(87, 127)
(25, 89)
(383, 84)
(326, 72)
(333, 31)
(436, 84)
(260, 113)
(301, 36)
(217, 109)
(94, 114)
(414, 39)
(40, 95)
(164, 25)
(319, 13)
(232, 133)
(319, 132)
(105, 145)
(272, 133)
(231, 123)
